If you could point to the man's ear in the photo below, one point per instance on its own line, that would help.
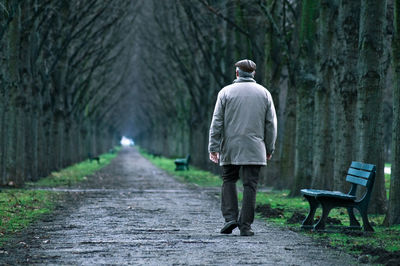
(237, 73)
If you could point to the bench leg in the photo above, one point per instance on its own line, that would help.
(309, 221)
(353, 221)
(366, 225)
(326, 208)
(179, 167)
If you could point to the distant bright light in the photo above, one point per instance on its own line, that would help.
(127, 141)
(388, 170)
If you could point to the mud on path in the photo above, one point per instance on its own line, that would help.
(131, 212)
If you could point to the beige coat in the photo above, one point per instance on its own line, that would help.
(244, 126)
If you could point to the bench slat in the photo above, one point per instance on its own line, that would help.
(363, 166)
(359, 173)
(357, 180)
(327, 193)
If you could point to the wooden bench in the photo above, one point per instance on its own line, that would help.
(93, 158)
(358, 174)
(182, 163)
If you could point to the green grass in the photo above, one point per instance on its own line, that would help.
(20, 207)
(74, 174)
(387, 238)
(383, 238)
(193, 175)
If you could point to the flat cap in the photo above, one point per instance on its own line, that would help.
(246, 65)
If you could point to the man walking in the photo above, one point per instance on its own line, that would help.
(242, 135)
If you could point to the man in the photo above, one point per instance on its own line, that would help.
(242, 135)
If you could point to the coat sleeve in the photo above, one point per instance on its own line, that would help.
(217, 125)
(271, 125)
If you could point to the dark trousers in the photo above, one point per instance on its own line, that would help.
(229, 200)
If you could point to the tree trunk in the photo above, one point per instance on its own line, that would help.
(3, 132)
(393, 214)
(33, 152)
(346, 91)
(370, 97)
(10, 150)
(323, 152)
(198, 147)
(288, 131)
(287, 154)
(272, 78)
(20, 162)
(305, 99)
(11, 121)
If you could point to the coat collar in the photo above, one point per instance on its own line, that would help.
(242, 79)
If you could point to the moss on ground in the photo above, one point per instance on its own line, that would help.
(279, 209)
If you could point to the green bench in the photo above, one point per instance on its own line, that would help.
(182, 163)
(359, 174)
(93, 158)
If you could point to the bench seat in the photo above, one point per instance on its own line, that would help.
(359, 174)
(182, 163)
(326, 193)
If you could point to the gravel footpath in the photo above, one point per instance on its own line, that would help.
(131, 212)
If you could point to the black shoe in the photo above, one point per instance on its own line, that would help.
(246, 232)
(228, 227)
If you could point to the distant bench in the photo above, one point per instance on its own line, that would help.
(182, 163)
(93, 158)
(358, 174)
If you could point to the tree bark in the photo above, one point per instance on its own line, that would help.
(305, 99)
(323, 152)
(370, 97)
(13, 88)
(272, 79)
(345, 96)
(287, 158)
(288, 131)
(393, 213)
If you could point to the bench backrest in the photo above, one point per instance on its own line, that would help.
(361, 174)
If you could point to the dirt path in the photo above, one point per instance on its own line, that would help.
(134, 213)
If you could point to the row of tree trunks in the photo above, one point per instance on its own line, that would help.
(33, 152)
(60, 61)
(314, 56)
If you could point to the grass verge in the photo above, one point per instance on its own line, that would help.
(277, 208)
(193, 175)
(74, 174)
(20, 207)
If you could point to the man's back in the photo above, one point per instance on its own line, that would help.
(245, 105)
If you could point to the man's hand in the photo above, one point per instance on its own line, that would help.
(269, 156)
(214, 157)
